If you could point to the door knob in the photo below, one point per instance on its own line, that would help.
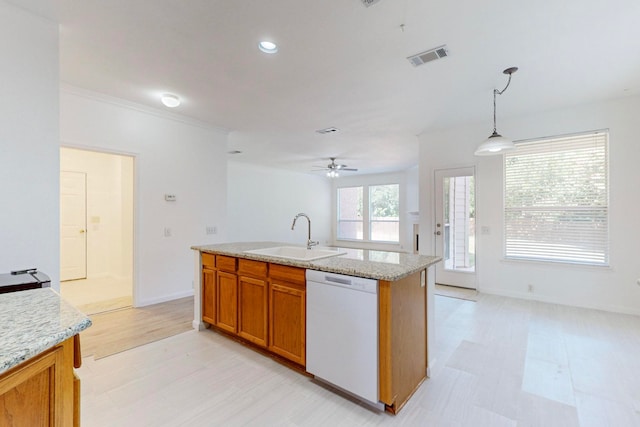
(437, 233)
(81, 231)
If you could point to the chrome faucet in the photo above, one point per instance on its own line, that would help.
(310, 242)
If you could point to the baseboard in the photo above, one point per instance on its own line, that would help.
(542, 298)
(165, 298)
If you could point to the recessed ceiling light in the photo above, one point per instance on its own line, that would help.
(170, 100)
(268, 47)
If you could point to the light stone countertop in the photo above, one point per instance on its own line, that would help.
(33, 321)
(368, 263)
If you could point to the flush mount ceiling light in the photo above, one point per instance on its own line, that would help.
(496, 143)
(268, 47)
(170, 100)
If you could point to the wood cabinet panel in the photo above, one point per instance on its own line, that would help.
(287, 321)
(208, 260)
(227, 302)
(40, 391)
(252, 310)
(209, 295)
(287, 274)
(248, 267)
(402, 343)
(226, 263)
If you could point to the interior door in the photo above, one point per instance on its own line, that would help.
(454, 233)
(73, 225)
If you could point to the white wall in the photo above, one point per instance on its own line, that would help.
(172, 155)
(29, 177)
(408, 181)
(262, 203)
(613, 288)
(109, 213)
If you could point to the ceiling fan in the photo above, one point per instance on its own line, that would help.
(334, 168)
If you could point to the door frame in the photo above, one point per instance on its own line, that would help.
(136, 200)
(469, 282)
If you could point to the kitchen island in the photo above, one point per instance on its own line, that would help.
(39, 349)
(259, 300)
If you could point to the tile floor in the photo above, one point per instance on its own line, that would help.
(500, 362)
(97, 295)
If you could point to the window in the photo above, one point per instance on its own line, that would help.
(350, 223)
(371, 211)
(384, 224)
(556, 200)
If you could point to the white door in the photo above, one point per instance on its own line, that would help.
(73, 225)
(454, 233)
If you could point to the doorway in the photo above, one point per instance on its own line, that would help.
(96, 229)
(454, 235)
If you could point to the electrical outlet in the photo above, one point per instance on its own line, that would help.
(530, 288)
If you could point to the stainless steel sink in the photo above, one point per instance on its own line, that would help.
(297, 253)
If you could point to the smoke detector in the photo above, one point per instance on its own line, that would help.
(429, 55)
(368, 3)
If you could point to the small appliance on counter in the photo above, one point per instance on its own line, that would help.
(21, 280)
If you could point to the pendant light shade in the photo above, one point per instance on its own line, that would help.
(496, 143)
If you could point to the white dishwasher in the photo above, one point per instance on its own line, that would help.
(342, 333)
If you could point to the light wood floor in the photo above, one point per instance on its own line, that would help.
(500, 362)
(124, 329)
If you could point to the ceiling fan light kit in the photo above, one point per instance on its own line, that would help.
(496, 143)
(333, 169)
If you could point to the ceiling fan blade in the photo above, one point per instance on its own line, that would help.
(349, 169)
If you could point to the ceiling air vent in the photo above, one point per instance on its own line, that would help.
(327, 130)
(429, 55)
(368, 3)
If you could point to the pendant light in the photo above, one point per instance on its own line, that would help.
(496, 143)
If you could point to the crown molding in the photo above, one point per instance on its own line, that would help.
(123, 103)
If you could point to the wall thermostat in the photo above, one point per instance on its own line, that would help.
(170, 197)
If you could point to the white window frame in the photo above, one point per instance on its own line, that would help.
(573, 241)
(366, 217)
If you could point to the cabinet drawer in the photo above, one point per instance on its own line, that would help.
(287, 274)
(209, 260)
(226, 263)
(247, 267)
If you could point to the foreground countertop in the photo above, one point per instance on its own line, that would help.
(368, 263)
(33, 321)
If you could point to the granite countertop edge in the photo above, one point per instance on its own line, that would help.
(31, 325)
(409, 263)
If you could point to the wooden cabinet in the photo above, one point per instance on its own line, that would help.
(227, 302)
(252, 301)
(402, 341)
(209, 281)
(41, 391)
(287, 313)
(226, 294)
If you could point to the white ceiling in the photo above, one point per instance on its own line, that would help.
(344, 65)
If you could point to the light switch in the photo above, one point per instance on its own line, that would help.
(167, 232)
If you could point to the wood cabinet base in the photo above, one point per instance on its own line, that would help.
(43, 391)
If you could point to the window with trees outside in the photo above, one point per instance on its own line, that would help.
(369, 213)
(556, 199)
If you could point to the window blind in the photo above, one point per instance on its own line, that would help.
(556, 199)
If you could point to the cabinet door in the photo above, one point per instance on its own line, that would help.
(40, 392)
(227, 302)
(209, 295)
(252, 310)
(287, 320)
